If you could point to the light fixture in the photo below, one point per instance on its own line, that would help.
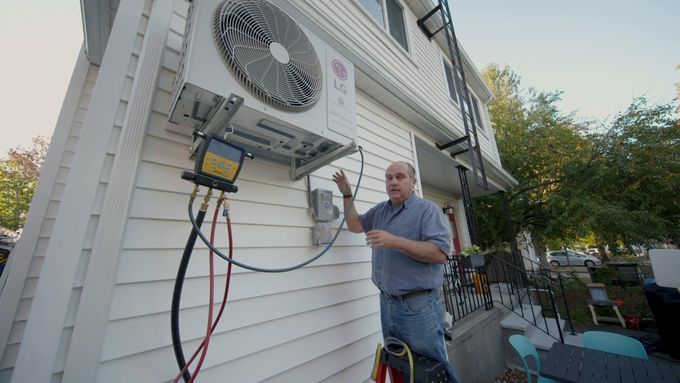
(448, 209)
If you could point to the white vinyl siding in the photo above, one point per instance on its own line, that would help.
(312, 323)
(50, 218)
(326, 313)
(417, 72)
(38, 256)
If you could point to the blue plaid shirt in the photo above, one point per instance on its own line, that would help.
(417, 219)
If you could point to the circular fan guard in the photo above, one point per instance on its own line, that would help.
(251, 37)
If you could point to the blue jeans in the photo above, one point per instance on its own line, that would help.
(417, 321)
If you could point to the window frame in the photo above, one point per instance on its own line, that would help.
(476, 109)
(399, 5)
(385, 25)
(448, 73)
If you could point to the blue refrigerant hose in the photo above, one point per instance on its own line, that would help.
(197, 230)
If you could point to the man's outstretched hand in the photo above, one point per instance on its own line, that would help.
(341, 180)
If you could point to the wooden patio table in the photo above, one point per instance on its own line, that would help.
(567, 363)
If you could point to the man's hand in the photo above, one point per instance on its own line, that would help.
(381, 238)
(351, 215)
(341, 180)
(422, 251)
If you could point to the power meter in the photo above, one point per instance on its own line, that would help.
(218, 163)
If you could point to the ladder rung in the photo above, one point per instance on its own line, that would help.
(459, 152)
(451, 143)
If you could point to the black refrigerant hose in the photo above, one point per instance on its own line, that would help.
(177, 296)
(181, 271)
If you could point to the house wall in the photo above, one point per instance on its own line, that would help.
(418, 72)
(320, 323)
(29, 255)
(317, 323)
(43, 321)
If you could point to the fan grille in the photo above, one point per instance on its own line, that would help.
(268, 53)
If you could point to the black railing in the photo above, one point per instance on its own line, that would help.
(466, 288)
(525, 287)
(528, 287)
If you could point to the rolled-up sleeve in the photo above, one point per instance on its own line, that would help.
(434, 228)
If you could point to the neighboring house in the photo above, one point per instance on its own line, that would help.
(87, 291)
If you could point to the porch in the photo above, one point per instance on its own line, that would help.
(479, 348)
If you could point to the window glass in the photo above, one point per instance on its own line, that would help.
(461, 95)
(449, 82)
(395, 18)
(478, 117)
(374, 8)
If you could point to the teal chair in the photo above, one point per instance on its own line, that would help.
(524, 348)
(614, 343)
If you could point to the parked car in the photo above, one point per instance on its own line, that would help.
(559, 258)
(593, 251)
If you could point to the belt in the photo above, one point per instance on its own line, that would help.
(410, 294)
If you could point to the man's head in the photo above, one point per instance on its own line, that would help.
(400, 181)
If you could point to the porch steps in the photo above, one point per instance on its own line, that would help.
(514, 323)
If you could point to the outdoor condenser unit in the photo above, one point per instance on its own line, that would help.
(249, 70)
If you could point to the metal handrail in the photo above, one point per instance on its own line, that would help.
(466, 289)
(518, 281)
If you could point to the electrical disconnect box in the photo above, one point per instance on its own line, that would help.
(323, 212)
(322, 206)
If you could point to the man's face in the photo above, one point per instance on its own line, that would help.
(399, 183)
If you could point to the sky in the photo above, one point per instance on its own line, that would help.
(600, 53)
(39, 41)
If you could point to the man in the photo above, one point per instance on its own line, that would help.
(410, 241)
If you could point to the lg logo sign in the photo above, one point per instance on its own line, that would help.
(339, 69)
(341, 74)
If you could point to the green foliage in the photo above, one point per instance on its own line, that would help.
(470, 250)
(574, 182)
(19, 174)
(638, 177)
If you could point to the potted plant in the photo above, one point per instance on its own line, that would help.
(472, 256)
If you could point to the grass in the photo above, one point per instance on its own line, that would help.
(630, 299)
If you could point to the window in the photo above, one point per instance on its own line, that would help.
(449, 81)
(375, 9)
(390, 15)
(475, 107)
(395, 19)
(454, 82)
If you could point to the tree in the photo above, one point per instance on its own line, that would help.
(618, 187)
(19, 174)
(677, 98)
(635, 189)
(542, 149)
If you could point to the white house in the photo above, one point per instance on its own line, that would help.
(86, 296)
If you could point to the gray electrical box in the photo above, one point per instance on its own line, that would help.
(322, 233)
(323, 209)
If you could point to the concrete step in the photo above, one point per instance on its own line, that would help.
(514, 319)
(537, 332)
